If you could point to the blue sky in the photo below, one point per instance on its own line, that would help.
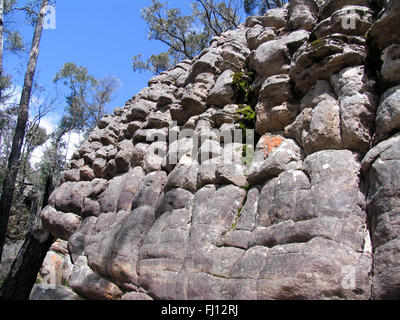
(97, 34)
(100, 35)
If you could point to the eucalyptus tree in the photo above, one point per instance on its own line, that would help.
(7, 195)
(185, 35)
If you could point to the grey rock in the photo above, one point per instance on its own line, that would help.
(159, 119)
(323, 57)
(91, 286)
(269, 58)
(150, 190)
(69, 196)
(139, 154)
(266, 35)
(109, 198)
(183, 176)
(131, 186)
(275, 18)
(273, 155)
(154, 156)
(252, 34)
(71, 175)
(381, 167)
(40, 292)
(86, 174)
(386, 25)
(174, 199)
(391, 65)
(135, 296)
(358, 105)
(388, 113)
(330, 6)
(59, 224)
(222, 93)
(303, 14)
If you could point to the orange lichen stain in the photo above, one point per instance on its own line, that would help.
(270, 142)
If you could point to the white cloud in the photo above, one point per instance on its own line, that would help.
(73, 140)
(49, 123)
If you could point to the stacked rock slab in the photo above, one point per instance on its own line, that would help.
(314, 216)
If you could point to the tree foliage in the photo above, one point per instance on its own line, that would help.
(185, 35)
(86, 99)
(261, 6)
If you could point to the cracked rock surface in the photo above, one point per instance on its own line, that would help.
(146, 211)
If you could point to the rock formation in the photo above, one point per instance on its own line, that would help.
(146, 211)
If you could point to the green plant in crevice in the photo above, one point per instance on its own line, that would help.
(239, 214)
(247, 155)
(241, 85)
(246, 119)
(320, 42)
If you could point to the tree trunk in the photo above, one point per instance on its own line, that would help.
(23, 273)
(1, 45)
(18, 140)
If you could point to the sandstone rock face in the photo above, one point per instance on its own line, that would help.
(171, 198)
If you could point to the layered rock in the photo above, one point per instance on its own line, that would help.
(168, 200)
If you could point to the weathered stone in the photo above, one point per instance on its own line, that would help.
(303, 14)
(206, 63)
(71, 175)
(330, 6)
(381, 166)
(123, 160)
(318, 126)
(388, 113)
(357, 107)
(139, 153)
(183, 176)
(131, 186)
(109, 198)
(154, 156)
(91, 286)
(86, 174)
(269, 58)
(290, 271)
(90, 208)
(266, 35)
(59, 224)
(150, 190)
(323, 57)
(273, 155)
(40, 292)
(136, 296)
(252, 35)
(383, 32)
(391, 65)
(140, 110)
(69, 196)
(150, 135)
(222, 93)
(99, 166)
(174, 199)
(159, 119)
(275, 18)
(295, 217)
